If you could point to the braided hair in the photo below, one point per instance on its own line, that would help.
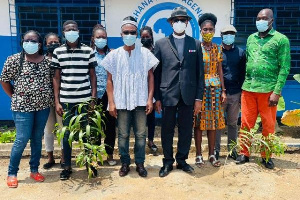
(207, 18)
(41, 52)
(149, 29)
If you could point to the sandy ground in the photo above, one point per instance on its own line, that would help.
(249, 181)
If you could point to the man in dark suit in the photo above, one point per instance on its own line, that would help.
(179, 85)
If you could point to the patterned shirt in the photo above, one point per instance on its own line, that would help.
(74, 64)
(32, 82)
(268, 62)
(130, 75)
(101, 76)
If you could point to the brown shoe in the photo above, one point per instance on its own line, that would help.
(124, 170)
(141, 170)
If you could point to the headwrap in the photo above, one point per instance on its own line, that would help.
(129, 22)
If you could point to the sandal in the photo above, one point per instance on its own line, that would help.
(37, 177)
(214, 162)
(12, 182)
(199, 161)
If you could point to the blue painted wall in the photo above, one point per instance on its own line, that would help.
(291, 91)
(5, 51)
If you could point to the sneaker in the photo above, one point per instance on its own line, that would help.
(217, 154)
(65, 174)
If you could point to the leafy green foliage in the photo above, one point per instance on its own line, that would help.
(85, 128)
(8, 136)
(257, 143)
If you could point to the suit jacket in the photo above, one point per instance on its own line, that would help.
(175, 78)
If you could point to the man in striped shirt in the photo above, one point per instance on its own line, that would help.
(74, 81)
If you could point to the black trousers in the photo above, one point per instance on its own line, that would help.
(185, 126)
(110, 127)
(151, 125)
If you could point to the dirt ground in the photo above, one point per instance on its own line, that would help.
(249, 181)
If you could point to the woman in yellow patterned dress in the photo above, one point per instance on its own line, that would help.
(211, 116)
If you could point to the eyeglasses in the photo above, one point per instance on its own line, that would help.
(129, 32)
(182, 20)
(32, 41)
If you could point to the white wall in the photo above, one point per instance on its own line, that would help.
(4, 18)
(116, 10)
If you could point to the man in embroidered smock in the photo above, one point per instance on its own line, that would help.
(268, 65)
(130, 87)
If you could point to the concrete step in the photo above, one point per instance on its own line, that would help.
(5, 149)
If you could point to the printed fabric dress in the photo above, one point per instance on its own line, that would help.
(211, 116)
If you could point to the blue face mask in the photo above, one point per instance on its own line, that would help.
(100, 43)
(129, 40)
(228, 39)
(71, 36)
(30, 47)
(262, 25)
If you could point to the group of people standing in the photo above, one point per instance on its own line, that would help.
(193, 84)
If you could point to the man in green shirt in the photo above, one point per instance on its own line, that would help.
(268, 65)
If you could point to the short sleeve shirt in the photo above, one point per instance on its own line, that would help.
(32, 82)
(74, 65)
(130, 75)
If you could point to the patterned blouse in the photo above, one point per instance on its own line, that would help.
(32, 83)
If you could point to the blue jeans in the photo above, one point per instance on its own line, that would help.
(71, 110)
(29, 125)
(138, 119)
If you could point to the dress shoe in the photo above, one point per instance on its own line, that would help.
(165, 170)
(141, 170)
(269, 164)
(124, 170)
(242, 159)
(185, 167)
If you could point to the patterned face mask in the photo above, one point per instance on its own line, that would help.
(207, 37)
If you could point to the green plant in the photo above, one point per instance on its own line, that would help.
(8, 136)
(257, 143)
(86, 128)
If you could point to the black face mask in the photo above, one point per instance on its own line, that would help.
(147, 42)
(51, 47)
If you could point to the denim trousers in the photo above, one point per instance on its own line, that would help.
(29, 125)
(71, 110)
(138, 119)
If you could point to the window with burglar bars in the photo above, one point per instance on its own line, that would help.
(286, 21)
(49, 15)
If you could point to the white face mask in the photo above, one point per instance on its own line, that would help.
(179, 27)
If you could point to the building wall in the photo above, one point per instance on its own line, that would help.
(286, 21)
(48, 15)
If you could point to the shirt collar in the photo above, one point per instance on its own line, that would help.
(178, 37)
(271, 32)
(78, 45)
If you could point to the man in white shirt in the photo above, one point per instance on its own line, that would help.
(130, 87)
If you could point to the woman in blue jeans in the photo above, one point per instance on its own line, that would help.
(31, 96)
